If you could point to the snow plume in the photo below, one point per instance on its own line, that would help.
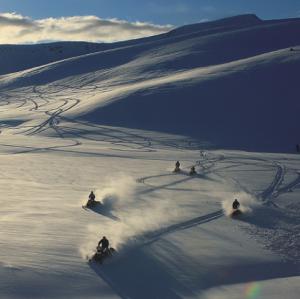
(118, 193)
(139, 219)
(130, 215)
(247, 202)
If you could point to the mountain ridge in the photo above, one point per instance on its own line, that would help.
(15, 58)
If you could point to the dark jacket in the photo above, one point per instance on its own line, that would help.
(104, 243)
(92, 196)
(235, 204)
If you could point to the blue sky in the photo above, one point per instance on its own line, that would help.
(176, 12)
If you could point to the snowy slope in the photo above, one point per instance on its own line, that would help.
(115, 122)
(236, 75)
(15, 58)
(172, 238)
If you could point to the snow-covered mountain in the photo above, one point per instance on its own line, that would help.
(226, 85)
(114, 119)
(15, 58)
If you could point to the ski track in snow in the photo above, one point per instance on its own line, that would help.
(207, 165)
(155, 235)
(44, 104)
(54, 119)
(278, 239)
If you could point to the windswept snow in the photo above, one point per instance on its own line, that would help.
(115, 122)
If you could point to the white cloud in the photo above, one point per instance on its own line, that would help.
(18, 29)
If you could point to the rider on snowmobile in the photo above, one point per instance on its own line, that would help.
(92, 196)
(177, 166)
(193, 170)
(235, 204)
(91, 201)
(103, 244)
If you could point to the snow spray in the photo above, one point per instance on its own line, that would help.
(247, 203)
(129, 215)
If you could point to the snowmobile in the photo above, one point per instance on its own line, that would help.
(193, 171)
(235, 209)
(100, 255)
(91, 203)
(235, 213)
(177, 169)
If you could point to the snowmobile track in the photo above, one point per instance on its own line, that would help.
(272, 190)
(155, 235)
